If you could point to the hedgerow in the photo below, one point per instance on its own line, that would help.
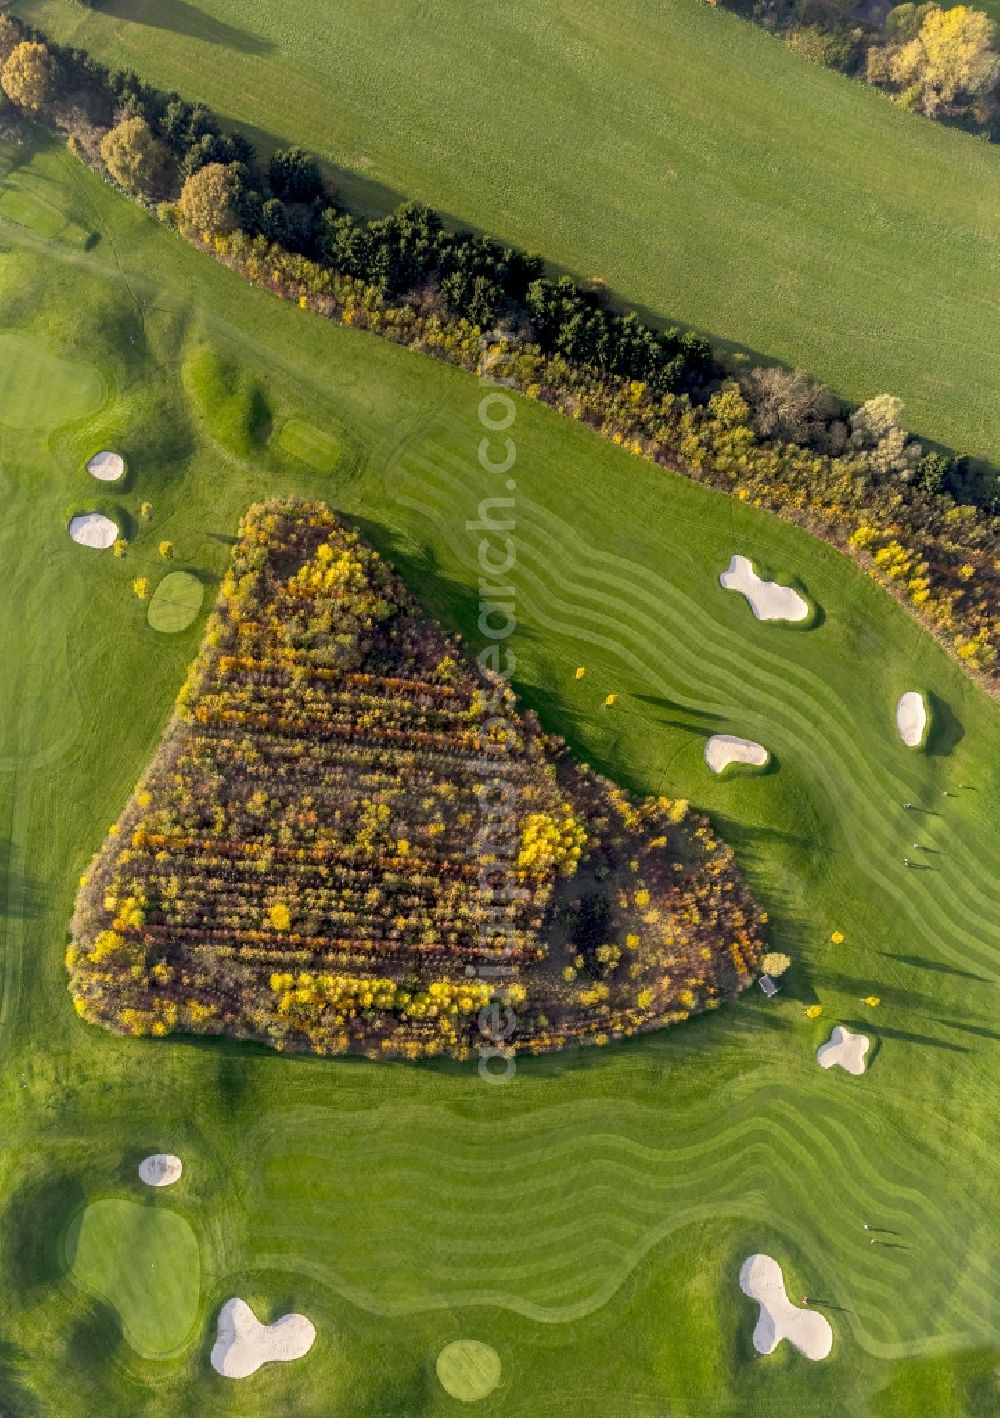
(924, 525)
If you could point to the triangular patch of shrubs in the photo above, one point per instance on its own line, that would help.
(350, 839)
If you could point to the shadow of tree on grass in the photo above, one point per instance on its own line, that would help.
(190, 20)
(15, 1400)
(922, 962)
(20, 899)
(32, 1227)
(946, 728)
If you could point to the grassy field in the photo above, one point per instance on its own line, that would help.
(308, 443)
(588, 1221)
(706, 172)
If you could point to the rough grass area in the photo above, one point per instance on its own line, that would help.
(39, 388)
(176, 602)
(308, 443)
(683, 155)
(615, 1192)
(143, 1261)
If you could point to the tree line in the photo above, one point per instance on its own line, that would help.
(923, 522)
(152, 143)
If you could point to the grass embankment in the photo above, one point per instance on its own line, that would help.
(611, 1193)
(697, 165)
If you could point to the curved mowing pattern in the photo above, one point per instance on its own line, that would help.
(773, 1145)
(144, 1261)
(468, 1369)
(175, 603)
(40, 389)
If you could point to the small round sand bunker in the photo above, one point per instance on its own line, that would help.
(107, 467)
(243, 1344)
(161, 1169)
(91, 529)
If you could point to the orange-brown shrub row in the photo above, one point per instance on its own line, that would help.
(318, 857)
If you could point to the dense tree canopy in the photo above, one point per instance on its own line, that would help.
(951, 56)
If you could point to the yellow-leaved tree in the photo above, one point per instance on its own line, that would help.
(951, 57)
(27, 75)
(134, 157)
(207, 203)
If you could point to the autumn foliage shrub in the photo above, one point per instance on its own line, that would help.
(315, 856)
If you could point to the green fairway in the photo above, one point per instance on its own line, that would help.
(308, 443)
(176, 602)
(39, 389)
(588, 1221)
(142, 1260)
(681, 154)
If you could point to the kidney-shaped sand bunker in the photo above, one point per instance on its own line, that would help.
(243, 1344)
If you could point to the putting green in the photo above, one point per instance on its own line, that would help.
(40, 389)
(144, 1261)
(176, 602)
(308, 443)
(468, 1369)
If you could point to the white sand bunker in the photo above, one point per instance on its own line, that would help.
(911, 718)
(844, 1049)
(723, 749)
(90, 529)
(809, 1331)
(161, 1169)
(769, 600)
(107, 467)
(243, 1344)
